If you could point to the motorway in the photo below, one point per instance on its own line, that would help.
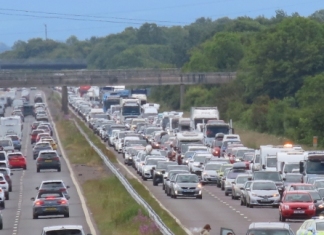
(17, 215)
(215, 208)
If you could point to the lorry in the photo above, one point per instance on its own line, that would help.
(202, 115)
(268, 153)
(109, 101)
(10, 126)
(214, 127)
(312, 165)
(150, 109)
(130, 107)
(141, 97)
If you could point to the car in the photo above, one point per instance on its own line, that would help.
(220, 173)
(48, 159)
(169, 178)
(223, 179)
(238, 183)
(318, 183)
(239, 168)
(159, 171)
(40, 135)
(50, 140)
(54, 185)
(2, 199)
(40, 146)
(64, 230)
(209, 174)
(34, 125)
(299, 187)
(17, 160)
(6, 144)
(296, 205)
(16, 141)
(270, 228)
(291, 178)
(1, 221)
(244, 191)
(263, 193)
(45, 128)
(318, 201)
(7, 174)
(34, 134)
(4, 186)
(148, 167)
(50, 202)
(314, 225)
(186, 185)
(4, 158)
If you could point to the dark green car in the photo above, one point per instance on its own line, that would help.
(48, 159)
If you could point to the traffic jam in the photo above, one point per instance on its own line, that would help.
(184, 155)
(52, 196)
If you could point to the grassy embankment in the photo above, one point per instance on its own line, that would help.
(111, 205)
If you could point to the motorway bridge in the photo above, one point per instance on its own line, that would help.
(126, 77)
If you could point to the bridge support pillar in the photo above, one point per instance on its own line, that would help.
(182, 93)
(65, 107)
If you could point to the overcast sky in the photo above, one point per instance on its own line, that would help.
(23, 20)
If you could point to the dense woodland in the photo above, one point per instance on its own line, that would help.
(280, 65)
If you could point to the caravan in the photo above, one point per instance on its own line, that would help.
(10, 126)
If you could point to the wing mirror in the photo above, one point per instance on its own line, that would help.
(163, 172)
(32, 199)
(284, 179)
(233, 182)
(37, 188)
(67, 186)
(242, 188)
(153, 168)
(11, 173)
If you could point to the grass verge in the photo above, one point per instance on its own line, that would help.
(114, 210)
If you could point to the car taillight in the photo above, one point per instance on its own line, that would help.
(39, 203)
(63, 189)
(2, 182)
(56, 159)
(62, 202)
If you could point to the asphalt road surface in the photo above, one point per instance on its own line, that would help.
(17, 215)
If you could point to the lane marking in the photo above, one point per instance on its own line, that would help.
(75, 182)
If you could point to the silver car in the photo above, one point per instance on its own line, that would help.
(238, 184)
(209, 174)
(263, 193)
(186, 185)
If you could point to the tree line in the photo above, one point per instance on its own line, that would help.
(279, 62)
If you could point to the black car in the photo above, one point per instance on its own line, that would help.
(39, 147)
(159, 171)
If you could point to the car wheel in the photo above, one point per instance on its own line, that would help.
(38, 170)
(35, 216)
(218, 185)
(67, 215)
(144, 178)
(242, 204)
(281, 218)
(155, 183)
(7, 196)
(25, 167)
(59, 169)
(226, 194)
(3, 205)
(10, 188)
(174, 196)
(163, 187)
(1, 226)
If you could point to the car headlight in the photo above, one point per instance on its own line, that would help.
(158, 173)
(275, 195)
(228, 183)
(254, 194)
(321, 206)
(286, 207)
(199, 186)
(205, 174)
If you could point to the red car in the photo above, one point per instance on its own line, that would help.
(34, 134)
(17, 160)
(34, 125)
(296, 205)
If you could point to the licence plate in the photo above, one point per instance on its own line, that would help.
(188, 191)
(50, 209)
(48, 160)
(299, 212)
(264, 200)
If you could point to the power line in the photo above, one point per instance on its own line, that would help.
(89, 16)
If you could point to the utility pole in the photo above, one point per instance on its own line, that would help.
(45, 31)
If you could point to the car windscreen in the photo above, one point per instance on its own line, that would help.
(10, 156)
(300, 197)
(293, 178)
(315, 195)
(163, 165)
(2, 156)
(242, 180)
(5, 143)
(177, 167)
(240, 153)
(200, 159)
(65, 232)
(42, 145)
(45, 195)
(48, 155)
(264, 186)
(233, 174)
(213, 166)
(14, 137)
(4, 172)
(187, 179)
(47, 185)
(274, 176)
(268, 231)
(153, 161)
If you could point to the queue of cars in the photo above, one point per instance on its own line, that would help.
(52, 197)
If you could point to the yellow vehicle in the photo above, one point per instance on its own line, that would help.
(312, 226)
(220, 173)
(51, 141)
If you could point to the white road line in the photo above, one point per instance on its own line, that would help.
(75, 182)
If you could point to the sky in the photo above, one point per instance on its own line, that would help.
(23, 20)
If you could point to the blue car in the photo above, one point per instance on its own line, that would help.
(16, 142)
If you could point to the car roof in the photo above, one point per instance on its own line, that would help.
(51, 181)
(298, 192)
(62, 227)
(263, 181)
(300, 184)
(48, 151)
(269, 225)
(14, 153)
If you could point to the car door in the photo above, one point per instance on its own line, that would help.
(225, 231)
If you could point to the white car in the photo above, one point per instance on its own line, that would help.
(4, 162)
(2, 198)
(64, 229)
(4, 186)
(149, 166)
